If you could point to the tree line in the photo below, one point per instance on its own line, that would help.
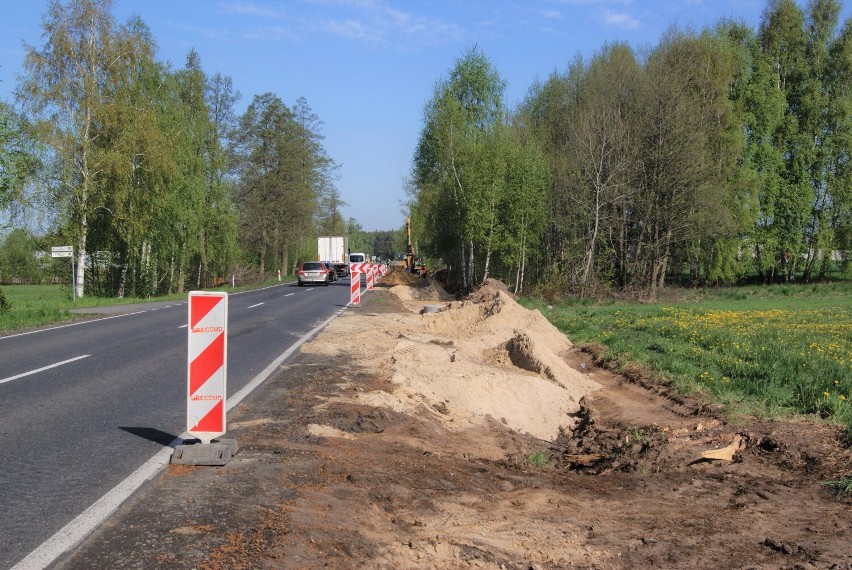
(708, 158)
(147, 170)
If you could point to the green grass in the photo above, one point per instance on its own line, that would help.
(841, 487)
(765, 351)
(538, 459)
(39, 305)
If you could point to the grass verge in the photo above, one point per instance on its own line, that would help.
(39, 305)
(764, 351)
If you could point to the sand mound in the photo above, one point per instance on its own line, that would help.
(488, 289)
(398, 276)
(425, 290)
(474, 361)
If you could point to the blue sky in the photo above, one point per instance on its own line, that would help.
(367, 67)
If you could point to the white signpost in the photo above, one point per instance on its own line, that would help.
(66, 251)
(62, 251)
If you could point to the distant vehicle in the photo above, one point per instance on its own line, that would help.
(333, 249)
(332, 272)
(358, 257)
(313, 272)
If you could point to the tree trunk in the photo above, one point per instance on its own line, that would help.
(171, 273)
(285, 259)
(180, 268)
(519, 281)
(463, 268)
(470, 265)
(122, 281)
(490, 240)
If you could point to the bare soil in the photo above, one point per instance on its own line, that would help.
(477, 437)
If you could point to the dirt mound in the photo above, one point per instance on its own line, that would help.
(398, 276)
(424, 290)
(488, 289)
(471, 362)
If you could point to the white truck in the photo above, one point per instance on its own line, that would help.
(334, 249)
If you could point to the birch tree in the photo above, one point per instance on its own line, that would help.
(454, 192)
(65, 89)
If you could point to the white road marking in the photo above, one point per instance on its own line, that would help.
(87, 521)
(71, 325)
(289, 294)
(43, 368)
(253, 306)
(183, 326)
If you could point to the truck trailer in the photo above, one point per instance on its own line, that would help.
(334, 249)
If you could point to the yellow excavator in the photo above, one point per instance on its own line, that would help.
(413, 265)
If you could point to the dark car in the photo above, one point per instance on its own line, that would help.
(313, 272)
(332, 274)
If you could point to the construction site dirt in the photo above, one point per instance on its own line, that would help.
(477, 436)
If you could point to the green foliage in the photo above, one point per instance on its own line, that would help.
(283, 173)
(145, 188)
(18, 260)
(5, 305)
(477, 182)
(17, 157)
(720, 154)
(538, 459)
(760, 350)
(637, 434)
(841, 487)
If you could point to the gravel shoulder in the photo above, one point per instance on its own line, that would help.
(394, 440)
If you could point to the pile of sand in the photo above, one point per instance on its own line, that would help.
(473, 361)
(488, 289)
(398, 276)
(426, 290)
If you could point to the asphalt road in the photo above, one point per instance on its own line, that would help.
(84, 405)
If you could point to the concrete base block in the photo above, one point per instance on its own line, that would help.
(216, 453)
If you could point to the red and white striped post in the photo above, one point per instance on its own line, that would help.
(354, 284)
(370, 273)
(207, 365)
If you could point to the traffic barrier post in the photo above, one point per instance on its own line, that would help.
(354, 284)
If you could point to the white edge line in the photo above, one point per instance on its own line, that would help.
(257, 380)
(43, 368)
(87, 521)
(129, 314)
(72, 325)
(255, 305)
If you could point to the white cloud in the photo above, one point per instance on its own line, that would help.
(270, 33)
(620, 20)
(371, 21)
(351, 29)
(242, 8)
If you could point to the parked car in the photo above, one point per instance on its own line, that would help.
(332, 273)
(313, 272)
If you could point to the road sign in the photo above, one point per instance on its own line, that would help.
(62, 251)
(207, 364)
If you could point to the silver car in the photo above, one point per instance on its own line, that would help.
(313, 272)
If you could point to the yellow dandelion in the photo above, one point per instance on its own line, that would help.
(826, 394)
